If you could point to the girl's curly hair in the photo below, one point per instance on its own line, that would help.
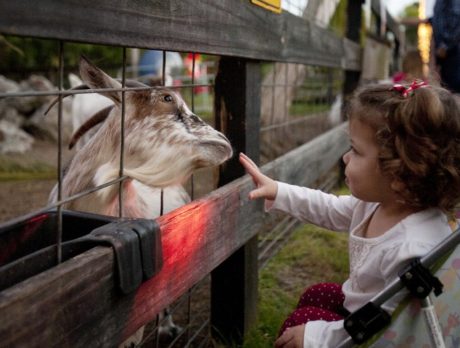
(419, 139)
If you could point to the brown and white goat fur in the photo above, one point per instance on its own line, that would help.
(84, 106)
(164, 142)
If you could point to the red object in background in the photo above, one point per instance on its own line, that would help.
(399, 77)
(197, 71)
(11, 242)
(188, 61)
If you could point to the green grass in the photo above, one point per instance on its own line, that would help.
(305, 108)
(312, 255)
(11, 170)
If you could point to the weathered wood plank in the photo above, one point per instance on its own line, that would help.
(353, 30)
(305, 164)
(76, 303)
(224, 27)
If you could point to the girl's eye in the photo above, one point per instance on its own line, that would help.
(168, 98)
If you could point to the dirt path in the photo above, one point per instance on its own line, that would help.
(22, 197)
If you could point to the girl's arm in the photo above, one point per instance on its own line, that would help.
(308, 205)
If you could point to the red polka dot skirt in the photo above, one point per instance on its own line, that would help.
(322, 301)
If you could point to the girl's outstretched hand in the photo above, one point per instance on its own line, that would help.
(266, 188)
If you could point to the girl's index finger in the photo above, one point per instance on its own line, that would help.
(249, 165)
(249, 160)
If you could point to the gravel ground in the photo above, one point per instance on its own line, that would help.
(22, 197)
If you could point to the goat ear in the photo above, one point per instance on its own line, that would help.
(96, 78)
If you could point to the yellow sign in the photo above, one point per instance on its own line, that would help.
(272, 5)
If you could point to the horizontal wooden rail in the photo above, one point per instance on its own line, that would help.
(224, 27)
(76, 303)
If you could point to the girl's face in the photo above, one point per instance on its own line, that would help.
(362, 172)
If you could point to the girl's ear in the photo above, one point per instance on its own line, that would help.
(397, 185)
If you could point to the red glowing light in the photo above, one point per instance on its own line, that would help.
(11, 242)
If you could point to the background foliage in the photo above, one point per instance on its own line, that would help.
(22, 56)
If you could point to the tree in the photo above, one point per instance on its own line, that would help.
(411, 11)
(21, 56)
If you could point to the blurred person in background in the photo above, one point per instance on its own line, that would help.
(446, 33)
(412, 68)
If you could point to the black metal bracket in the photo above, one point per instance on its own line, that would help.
(137, 247)
(419, 280)
(366, 321)
(28, 245)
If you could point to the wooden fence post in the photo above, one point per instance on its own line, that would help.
(353, 33)
(235, 281)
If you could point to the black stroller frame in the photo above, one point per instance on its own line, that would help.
(418, 278)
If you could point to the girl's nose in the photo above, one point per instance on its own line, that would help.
(346, 157)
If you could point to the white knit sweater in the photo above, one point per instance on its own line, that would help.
(374, 262)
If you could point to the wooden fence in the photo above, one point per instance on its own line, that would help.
(76, 303)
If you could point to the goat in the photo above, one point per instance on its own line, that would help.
(164, 142)
(83, 107)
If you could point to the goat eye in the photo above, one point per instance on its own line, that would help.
(168, 98)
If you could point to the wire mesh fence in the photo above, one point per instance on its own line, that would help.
(296, 103)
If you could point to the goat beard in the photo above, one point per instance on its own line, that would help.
(155, 177)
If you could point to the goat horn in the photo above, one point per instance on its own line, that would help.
(55, 100)
(97, 118)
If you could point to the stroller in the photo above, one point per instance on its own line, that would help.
(421, 320)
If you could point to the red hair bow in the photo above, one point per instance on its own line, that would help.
(406, 91)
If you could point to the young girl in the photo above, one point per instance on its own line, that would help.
(403, 171)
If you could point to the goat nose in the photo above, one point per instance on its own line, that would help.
(223, 137)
